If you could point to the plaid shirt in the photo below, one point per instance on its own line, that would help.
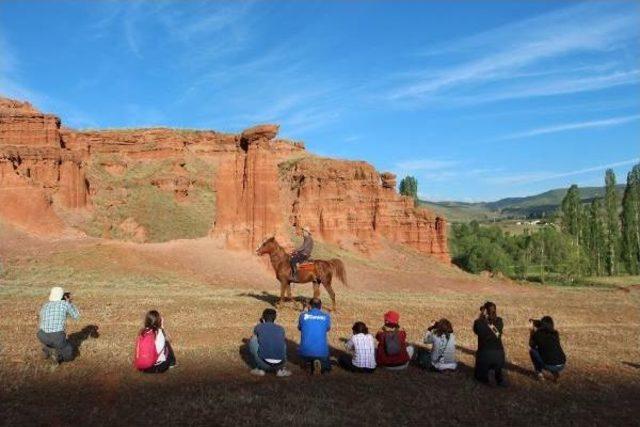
(53, 315)
(364, 350)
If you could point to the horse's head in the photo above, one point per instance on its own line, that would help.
(267, 246)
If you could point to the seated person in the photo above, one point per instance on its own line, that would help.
(393, 351)
(442, 355)
(363, 351)
(268, 346)
(545, 349)
(158, 357)
(314, 324)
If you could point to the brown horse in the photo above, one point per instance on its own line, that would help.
(321, 273)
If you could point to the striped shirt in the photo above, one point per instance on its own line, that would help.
(53, 315)
(363, 347)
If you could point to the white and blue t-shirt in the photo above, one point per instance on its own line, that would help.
(314, 325)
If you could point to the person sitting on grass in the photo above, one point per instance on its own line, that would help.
(313, 325)
(268, 346)
(442, 356)
(490, 354)
(52, 332)
(363, 351)
(545, 349)
(393, 351)
(160, 351)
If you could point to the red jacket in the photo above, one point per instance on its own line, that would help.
(382, 358)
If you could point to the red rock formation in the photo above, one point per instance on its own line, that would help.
(262, 185)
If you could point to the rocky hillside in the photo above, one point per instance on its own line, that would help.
(150, 185)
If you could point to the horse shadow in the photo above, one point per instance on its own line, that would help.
(272, 299)
(77, 338)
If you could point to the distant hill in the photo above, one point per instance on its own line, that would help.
(536, 206)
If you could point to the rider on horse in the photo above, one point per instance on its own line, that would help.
(302, 253)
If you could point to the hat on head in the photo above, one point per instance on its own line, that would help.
(392, 317)
(56, 293)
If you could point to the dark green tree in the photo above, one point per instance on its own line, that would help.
(572, 213)
(630, 220)
(409, 187)
(612, 223)
(595, 238)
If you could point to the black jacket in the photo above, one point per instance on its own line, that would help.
(548, 345)
(488, 340)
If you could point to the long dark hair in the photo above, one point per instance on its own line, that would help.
(443, 327)
(490, 309)
(360, 328)
(152, 321)
(546, 324)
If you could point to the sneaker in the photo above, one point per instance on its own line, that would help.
(283, 372)
(317, 367)
(257, 372)
(540, 376)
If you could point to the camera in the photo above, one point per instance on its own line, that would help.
(66, 296)
(535, 322)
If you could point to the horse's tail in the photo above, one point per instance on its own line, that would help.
(338, 269)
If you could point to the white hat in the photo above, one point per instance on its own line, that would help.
(56, 294)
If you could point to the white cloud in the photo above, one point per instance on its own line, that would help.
(529, 177)
(426, 165)
(524, 49)
(572, 126)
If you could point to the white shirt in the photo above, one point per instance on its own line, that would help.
(364, 350)
(160, 344)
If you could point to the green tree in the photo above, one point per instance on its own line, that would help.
(630, 220)
(612, 223)
(595, 238)
(572, 213)
(409, 187)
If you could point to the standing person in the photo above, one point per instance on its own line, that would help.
(268, 346)
(490, 354)
(442, 356)
(154, 353)
(393, 351)
(545, 349)
(314, 324)
(302, 253)
(363, 351)
(53, 318)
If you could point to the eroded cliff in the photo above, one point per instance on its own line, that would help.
(161, 184)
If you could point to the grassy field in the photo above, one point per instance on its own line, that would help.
(208, 322)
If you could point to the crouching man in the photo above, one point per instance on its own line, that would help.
(268, 346)
(53, 318)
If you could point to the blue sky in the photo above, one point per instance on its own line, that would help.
(478, 100)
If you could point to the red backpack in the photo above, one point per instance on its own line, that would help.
(146, 354)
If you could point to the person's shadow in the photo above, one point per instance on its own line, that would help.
(508, 365)
(77, 338)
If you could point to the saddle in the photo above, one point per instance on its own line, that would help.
(305, 266)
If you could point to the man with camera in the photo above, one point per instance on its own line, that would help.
(545, 349)
(53, 318)
(268, 346)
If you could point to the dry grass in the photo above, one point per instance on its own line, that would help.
(208, 320)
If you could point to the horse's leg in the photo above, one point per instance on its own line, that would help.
(332, 294)
(283, 288)
(316, 289)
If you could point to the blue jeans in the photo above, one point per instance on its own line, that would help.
(258, 362)
(539, 365)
